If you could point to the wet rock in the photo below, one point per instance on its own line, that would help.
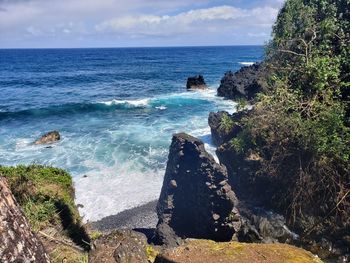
(49, 137)
(196, 82)
(244, 83)
(17, 242)
(202, 203)
(260, 225)
(120, 246)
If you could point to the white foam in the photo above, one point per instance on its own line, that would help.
(244, 63)
(112, 189)
(204, 134)
(161, 107)
(124, 160)
(131, 103)
(22, 143)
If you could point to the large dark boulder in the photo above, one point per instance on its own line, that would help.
(196, 200)
(17, 242)
(245, 83)
(49, 137)
(196, 82)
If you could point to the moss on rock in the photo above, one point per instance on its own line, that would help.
(193, 251)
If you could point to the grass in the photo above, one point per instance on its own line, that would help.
(63, 252)
(39, 189)
(46, 195)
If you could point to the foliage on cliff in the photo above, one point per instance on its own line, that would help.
(299, 128)
(46, 195)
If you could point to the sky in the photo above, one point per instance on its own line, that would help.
(135, 23)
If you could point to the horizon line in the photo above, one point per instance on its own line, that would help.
(132, 47)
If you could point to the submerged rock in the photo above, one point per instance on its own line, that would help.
(244, 83)
(199, 251)
(196, 82)
(17, 242)
(49, 137)
(196, 200)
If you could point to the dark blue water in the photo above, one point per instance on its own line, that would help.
(116, 110)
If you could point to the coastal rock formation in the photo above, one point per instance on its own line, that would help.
(17, 242)
(262, 226)
(120, 246)
(49, 137)
(198, 251)
(244, 83)
(196, 200)
(224, 126)
(241, 169)
(196, 82)
(258, 225)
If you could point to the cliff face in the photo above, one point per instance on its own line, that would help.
(196, 200)
(17, 242)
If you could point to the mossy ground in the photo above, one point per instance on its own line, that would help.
(46, 195)
(197, 250)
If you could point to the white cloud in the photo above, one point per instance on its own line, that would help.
(212, 19)
(42, 21)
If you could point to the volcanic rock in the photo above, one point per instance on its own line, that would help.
(223, 126)
(120, 246)
(196, 82)
(196, 200)
(244, 83)
(49, 137)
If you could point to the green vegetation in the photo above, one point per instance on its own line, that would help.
(40, 190)
(62, 252)
(94, 235)
(151, 253)
(241, 104)
(226, 123)
(46, 195)
(299, 127)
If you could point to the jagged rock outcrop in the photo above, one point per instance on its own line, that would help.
(17, 242)
(224, 126)
(196, 82)
(120, 246)
(196, 200)
(49, 137)
(245, 83)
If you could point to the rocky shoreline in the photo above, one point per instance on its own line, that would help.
(197, 202)
(141, 217)
(196, 205)
(255, 221)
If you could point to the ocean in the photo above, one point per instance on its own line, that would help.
(116, 110)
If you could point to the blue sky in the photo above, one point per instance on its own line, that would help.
(130, 23)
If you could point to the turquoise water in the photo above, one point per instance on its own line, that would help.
(116, 110)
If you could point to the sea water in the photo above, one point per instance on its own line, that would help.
(116, 111)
